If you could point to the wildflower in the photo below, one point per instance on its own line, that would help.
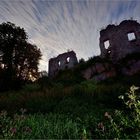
(3, 113)
(133, 88)
(13, 130)
(101, 126)
(22, 117)
(107, 115)
(121, 97)
(27, 129)
(22, 110)
(16, 117)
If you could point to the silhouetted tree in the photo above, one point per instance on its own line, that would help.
(18, 58)
(81, 60)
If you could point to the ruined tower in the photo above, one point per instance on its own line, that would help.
(61, 62)
(116, 41)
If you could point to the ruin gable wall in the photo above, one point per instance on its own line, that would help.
(61, 62)
(116, 41)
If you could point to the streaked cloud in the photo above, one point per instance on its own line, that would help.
(58, 25)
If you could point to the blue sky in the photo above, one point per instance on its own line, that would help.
(56, 26)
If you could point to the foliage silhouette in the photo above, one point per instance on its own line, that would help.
(18, 58)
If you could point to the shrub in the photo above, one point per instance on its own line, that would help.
(31, 87)
(124, 123)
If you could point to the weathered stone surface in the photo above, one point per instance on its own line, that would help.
(92, 70)
(63, 61)
(132, 68)
(99, 67)
(99, 71)
(99, 77)
(119, 43)
(104, 75)
(87, 73)
(116, 42)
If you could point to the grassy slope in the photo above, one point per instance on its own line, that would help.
(62, 110)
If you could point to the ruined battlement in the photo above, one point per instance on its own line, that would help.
(116, 41)
(61, 62)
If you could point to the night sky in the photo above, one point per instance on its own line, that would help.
(56, 26)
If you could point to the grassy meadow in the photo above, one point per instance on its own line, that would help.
(81, 110)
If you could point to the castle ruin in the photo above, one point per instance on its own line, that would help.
(61, 62)
(117, 41)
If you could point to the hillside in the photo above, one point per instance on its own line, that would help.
(94, 99)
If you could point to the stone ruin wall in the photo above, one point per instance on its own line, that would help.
(61, 62)
(99, 71)
(119, 45)
(131, 68)
(118, 37)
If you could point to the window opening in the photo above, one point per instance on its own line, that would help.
(106, 44)
(68, 59)
(131, 36)
(59, 63)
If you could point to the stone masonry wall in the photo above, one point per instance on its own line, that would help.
(116, 42)
(119, 43)
(99, 71)
(63, 61)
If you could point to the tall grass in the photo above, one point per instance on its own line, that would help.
(48, 126)
(89, 123)
(36, 100)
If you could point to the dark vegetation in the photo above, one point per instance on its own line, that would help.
(84, 110)
(18, 58)
(67, 106)
(92, 60)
